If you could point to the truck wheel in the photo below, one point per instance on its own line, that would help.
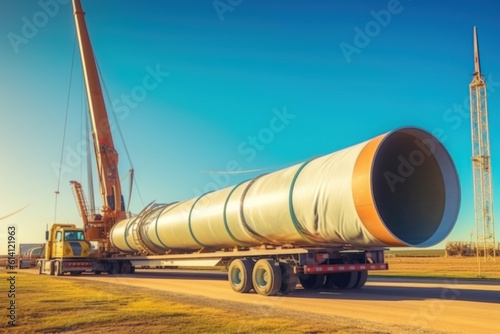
(289, 278)
(362, 277)
(57, 268)
(266, 277)
(240, 275)
(51, 268)
(345, 280)
(114, 268)
(311, 282)
(126, 268)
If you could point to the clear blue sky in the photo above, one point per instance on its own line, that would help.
(229, 66)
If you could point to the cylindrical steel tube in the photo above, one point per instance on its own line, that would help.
(398, 189)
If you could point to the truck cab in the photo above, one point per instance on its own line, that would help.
(66, 251)
(67, 241)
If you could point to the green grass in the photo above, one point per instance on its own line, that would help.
(416, 253)
(440, 267)
(46, 304)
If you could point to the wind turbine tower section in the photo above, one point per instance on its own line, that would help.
(481, 162)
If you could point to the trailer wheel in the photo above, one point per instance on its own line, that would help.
(329, 282)
(240, 275)
(266, 277)
(289, 278)
(126, 268)
(114, 268)
(311, 282)
(346, 280)
(342, 281)
(57, 268)
(362, 277)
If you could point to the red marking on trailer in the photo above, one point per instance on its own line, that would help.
(325, 269)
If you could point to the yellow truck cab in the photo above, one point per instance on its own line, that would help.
(66, 251)
(66, 241)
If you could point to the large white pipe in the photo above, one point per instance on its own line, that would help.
(398, 189)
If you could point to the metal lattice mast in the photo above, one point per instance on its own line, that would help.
(481, 161)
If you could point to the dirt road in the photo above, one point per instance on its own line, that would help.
(435, 305)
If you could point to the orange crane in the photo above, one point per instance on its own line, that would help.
(97, 226)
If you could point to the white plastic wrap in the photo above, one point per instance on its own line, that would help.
(398, 189)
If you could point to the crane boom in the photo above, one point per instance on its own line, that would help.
(106, 155)
(80, 199)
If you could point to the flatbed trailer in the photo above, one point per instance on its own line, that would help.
(267, 270)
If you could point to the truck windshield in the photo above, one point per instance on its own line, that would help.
(73, 236)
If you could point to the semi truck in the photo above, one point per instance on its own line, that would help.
(323, 223)
(268, 270)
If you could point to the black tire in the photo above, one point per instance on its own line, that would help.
(266, 277)
(342, 281)
(126, 268)
(239, 275)
(362, 277)
(289, 278)
(57, 268)
(329, 282)
(51, 268)
(114, 268)
(347, 280)
(312, 282)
